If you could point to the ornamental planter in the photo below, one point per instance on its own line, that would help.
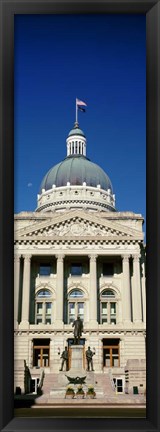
(80, 396)
(69, 396)
(90, 395)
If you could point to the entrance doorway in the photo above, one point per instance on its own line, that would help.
(34, 385)
(70, 343)
(118, 385)
(41, 353)
(111, 357)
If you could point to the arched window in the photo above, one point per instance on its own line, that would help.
(75, 305)
(108, 307)
(44, 307)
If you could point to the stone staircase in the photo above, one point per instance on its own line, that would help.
(103, 386)
(54, 386)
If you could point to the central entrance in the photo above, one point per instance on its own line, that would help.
(70, 343)
(111, 357)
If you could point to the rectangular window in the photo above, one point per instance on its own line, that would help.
(39, 308)
(39, 313)
(48, 308)
(111, 353)
(76, 269)
(71, 312)
(104, 312)
(80, 307)
(113, 313)
(48, 318)
(45, 269)
(108, 269)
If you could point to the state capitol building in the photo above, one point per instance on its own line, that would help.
(76, 254)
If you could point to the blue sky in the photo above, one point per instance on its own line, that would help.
(100, 59)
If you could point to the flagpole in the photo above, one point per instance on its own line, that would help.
(76, 112)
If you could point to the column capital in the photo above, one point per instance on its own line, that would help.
(27, 258)
(93, 257)
(125, 257)
(17, 258)
(136, 257)
(60, 257)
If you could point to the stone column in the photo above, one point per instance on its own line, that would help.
(126, 296)
(26, 291)
(93, 291)
(60, 290)
(16, 287)
(136, 291)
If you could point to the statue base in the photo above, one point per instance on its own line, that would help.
(76, 369)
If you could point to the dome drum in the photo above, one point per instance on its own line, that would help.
(67, 197)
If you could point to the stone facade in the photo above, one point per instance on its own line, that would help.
(77, 255)
(91, 241)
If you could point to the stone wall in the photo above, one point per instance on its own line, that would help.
(135, 376)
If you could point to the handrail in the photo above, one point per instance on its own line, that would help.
(111, 380)
(40, 384)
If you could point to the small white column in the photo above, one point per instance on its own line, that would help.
(93, 291)
(26, 291)
(16, 287)
(59, 290)
(126, 296)
(136, 291)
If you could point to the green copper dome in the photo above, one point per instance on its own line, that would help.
(76, 169)
(76, 131)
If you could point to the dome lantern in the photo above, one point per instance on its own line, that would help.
(76, 141)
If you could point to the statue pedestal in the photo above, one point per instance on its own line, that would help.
(76, 362)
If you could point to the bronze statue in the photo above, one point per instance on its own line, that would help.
(64, 358)
(89, 355)
(78, 328)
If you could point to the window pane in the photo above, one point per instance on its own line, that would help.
(113, 308)
(104, 308)
(104, 320)
(115, 361)
(44, 293)
(72, 308)
(81, 310)
(76, 269)
(108, 293)
(104, 313)
(39, 308)
(44, 269)
(48, 308)
(115, 351)
(48, 321)
(38, 320)
(113, 320)
(76, 293)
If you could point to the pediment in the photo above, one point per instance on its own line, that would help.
(77, 224)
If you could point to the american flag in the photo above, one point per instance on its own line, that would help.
(81, 103)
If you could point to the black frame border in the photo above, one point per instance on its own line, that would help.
(151, 8)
